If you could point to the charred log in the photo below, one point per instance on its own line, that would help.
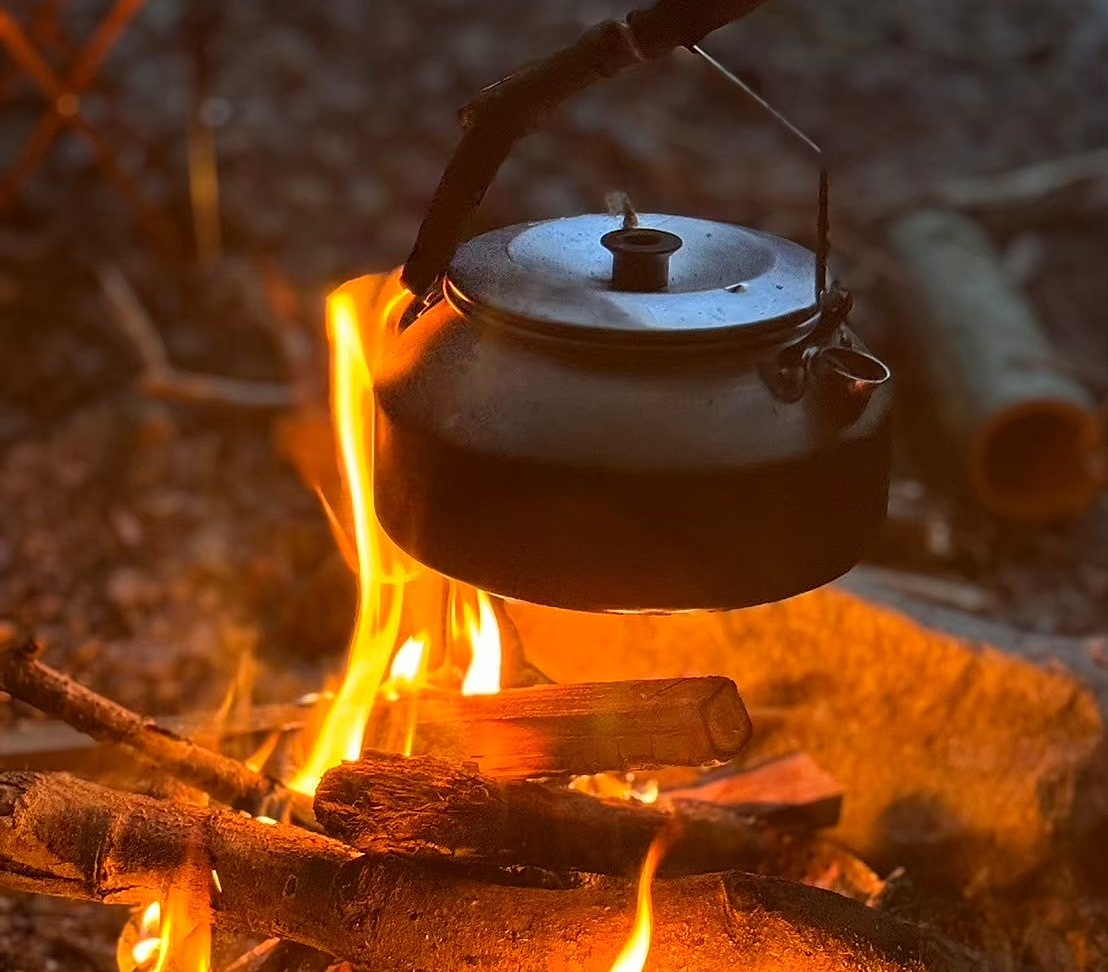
(62, 836)
(430, 808)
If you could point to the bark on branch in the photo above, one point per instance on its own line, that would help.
(63, 836)
(434, 809)
(225, 779)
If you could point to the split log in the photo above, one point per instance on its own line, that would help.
(791, 791)
(62, 836)
(1025, 429)
(433, 809)
(225, 779)
(559, 730)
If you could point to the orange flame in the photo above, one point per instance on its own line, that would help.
(404, 677)
(384, 571)
(483, 632)
(633, 956)
(377, 625)
(408, 662)
(172, 936)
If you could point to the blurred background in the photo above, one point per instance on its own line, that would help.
(227, 164)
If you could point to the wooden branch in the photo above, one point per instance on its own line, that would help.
(430, 808)
(1028, 184)
(1025, 430)
(161, 378)
(26, 678)
(57, 745)
(63, 836)
(551, 730)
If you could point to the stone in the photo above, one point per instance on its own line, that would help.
(958, 760)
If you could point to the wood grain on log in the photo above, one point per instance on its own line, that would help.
(431, 808)
(552, 730)
(63, 836)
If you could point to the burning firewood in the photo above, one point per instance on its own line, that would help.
(63, 836)
(432, 808)
(226, 779)
(552, 730)
(789, 791)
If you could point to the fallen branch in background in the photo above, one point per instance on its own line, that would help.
(1026, 432)
(1028, 184)
(161, 378)
(63, 836)
(26, 678)
(434, 809)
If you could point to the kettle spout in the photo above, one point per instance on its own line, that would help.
(846, 379)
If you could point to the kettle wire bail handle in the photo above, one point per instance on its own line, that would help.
(509, 109)
(823, 202)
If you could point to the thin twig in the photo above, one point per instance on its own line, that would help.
(26, 678)
(1026, 184)
(161, 378)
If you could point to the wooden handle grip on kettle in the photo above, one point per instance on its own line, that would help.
(503, 113)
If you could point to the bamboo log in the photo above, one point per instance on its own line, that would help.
(1025, 429)
(62, 836)
(552, 730)
(225, 779)
(430, 808)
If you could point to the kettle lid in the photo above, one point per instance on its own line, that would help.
(558, 273)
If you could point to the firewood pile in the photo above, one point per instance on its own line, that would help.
(431, 861)
(425, 862)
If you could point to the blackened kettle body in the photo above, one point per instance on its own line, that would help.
(658, 417)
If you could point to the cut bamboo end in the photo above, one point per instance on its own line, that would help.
(1041, 459)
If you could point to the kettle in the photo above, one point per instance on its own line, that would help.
(635, 412)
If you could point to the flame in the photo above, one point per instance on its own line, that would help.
(385, 572)
(618, 786)
(173, 935)
(377, 624)
(483, 632)
(633, 956)
(405, 675)
(408, 662)
(144, 951)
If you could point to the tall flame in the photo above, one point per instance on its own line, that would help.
(171, 935)
(483, 633)
(633, 956)
(377, 623)
(174, 934)
(384, 571)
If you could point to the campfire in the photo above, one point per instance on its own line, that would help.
(439, 791)
(557, 459)
(446, 803)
